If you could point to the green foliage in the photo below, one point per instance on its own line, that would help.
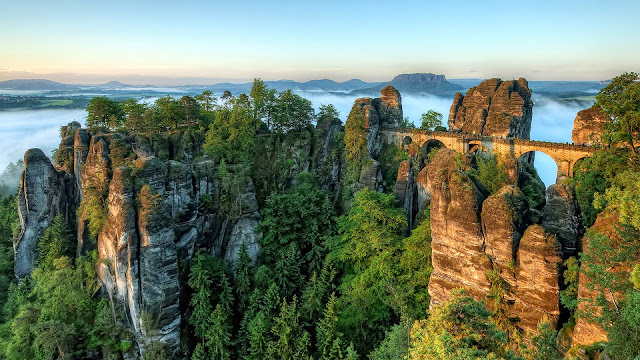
(415, 266)
(406, 124)
(53, 313)
(290, 341)
(594, 175)
(459, 328)
(497, 301)
(209, 282)
(233, 182)
(9, 224)
(623, 197)
(327, 113)
(635, 276)
(604, 254)
(543, 345)
(390, 159)
(355, 141)
(231, 135)
(291, 112)
(430, 120)
(120, 153)
(327, 331)
(569, 296)
(104, 114)
(624, 334)
(394, 346)
(489, 172)
(621, 101)
(219, 334)
(303, 216)
(242, 280)
(368, 250)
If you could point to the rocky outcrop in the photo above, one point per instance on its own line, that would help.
(405, 191)
(504, 217)
(587, 331)
(472, 235)
(494, 107)
(588, 126)
(44, 193)
(160, 211)
(380, 113)
(457, 241)
(538, 268)
(561, 217)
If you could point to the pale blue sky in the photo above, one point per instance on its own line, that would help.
(302, 40)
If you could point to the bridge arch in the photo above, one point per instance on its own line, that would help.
(429, 145)
(575, 165)
(476, 145)
(546, 166)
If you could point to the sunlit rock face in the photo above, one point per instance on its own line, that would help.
(588, 126)
(472, 235)
(494, 108)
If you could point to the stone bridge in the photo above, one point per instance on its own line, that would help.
(565, 155)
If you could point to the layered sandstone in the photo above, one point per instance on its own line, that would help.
(494, 108)
(588, 126)
(457, 240)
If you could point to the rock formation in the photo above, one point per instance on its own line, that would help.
(561, 216)
(457, 241)
(586, 331)
(472, 235)
(494, 107)
(163, 206)
(381, 113)
(588, 126)
(43, 194)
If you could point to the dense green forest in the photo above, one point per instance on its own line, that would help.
(335, 280)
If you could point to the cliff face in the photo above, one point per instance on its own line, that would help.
(162, 206)
(587, 126)
(381, 113)
(472, 235)
(494, 107)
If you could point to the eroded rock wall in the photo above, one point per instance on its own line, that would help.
(473, 234)
(588, 126)
(494, 107)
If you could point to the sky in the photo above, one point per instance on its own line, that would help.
(181, 42)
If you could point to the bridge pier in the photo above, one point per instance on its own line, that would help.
(564, 170)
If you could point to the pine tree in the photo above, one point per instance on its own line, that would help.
(351, 353)
(225, 298)
(327, 330)
(289, 341)
(200, 281)
(258, 330)
(219, 334)
(242, 279)
(199, 353)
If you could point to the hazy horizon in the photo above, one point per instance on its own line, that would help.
(228, 41)
(134, 79)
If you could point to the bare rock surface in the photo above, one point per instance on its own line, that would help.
(494, 107)
(588, 126)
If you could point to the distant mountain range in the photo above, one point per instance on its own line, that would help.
(406, 83)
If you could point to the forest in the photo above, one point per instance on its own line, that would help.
(337, 276)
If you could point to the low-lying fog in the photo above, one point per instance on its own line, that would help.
(22, 130)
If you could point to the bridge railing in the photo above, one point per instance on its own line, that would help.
(503, 140)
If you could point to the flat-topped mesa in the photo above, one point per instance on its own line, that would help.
(588, 126)
(494, 107)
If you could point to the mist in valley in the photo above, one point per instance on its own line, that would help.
(22, 130)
